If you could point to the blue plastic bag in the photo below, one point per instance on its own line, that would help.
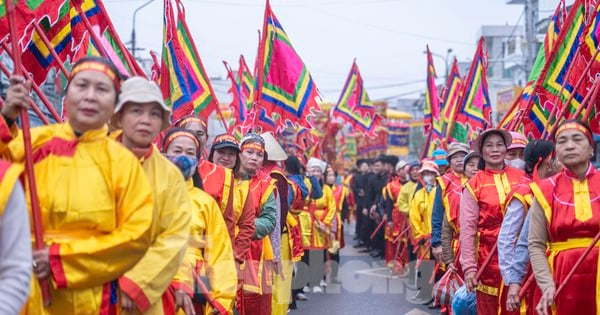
(464, 303)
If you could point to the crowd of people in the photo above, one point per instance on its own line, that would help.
(136, 225)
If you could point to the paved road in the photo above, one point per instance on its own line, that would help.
(367, 288)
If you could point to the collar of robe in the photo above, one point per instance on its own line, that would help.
(570, 174)
(88, 136)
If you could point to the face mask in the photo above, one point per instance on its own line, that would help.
(428, 179)
(187, 165)
(517, 163)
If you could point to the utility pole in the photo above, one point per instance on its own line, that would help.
(531, 19)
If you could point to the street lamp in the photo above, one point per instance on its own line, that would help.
(133, 48)
(445, 59)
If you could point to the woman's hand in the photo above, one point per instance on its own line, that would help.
(41, 263)
(470, 281)
(17, 96)
(184, 301)
(546, 301)
(513, 303)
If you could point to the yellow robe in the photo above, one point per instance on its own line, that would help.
(209, 252)
(405, 197)
(150, 278)
(420, 212)
(324, 211)
(96, 210)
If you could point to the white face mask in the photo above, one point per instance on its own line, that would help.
(428, 179)
(516, 163)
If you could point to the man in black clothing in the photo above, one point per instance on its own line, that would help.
(359, 186)
(375, 183)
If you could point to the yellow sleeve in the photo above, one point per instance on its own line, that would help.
(415, 217)
(220, 265)
(328, 195)
(402, 201)
(95, 260)
(147, 281)
(11, 140)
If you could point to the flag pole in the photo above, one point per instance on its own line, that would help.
(590, 105)
(53, 52)
(111, 28)
(35, 205)
(32, 104)
(235, 92)
(181, 18)
(565, 106)
(89, 28)
(36, 88)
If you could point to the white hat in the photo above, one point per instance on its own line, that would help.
(274, 150)
(142, 90)
(401, 164)
(431, 166)
(314, 162)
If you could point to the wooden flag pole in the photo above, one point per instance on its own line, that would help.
(486, 262)
(526, 286)
(35, 205)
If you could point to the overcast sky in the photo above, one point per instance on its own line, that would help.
(386, 36)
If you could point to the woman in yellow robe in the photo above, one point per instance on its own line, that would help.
(315, 222)
(209, 260)
(95, 201)
(141, 114)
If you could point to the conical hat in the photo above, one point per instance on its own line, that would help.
(274, 150)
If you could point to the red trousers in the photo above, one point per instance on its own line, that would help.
(256, 304)
(490, 304)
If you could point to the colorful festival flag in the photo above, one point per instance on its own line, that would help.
(451, 98)
(475, 110)
(354, 105)
(238, 102)
(202, 95)
(284, 84)
(432, 123)
(246, 80)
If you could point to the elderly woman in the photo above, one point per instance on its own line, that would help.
(95, 201)
(216, 180)
(316, 223)
(209, 256)
(565, 217)
(141, 115)
(265, 247)
(481, 213)
(225, 152)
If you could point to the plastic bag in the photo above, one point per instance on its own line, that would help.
(446, 287)
(464, 303)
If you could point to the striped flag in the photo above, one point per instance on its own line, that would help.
(474, 114)
(354, 105)
(451, 97)
(284, 84)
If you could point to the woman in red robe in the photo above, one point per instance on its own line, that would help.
(565, 217)
(481, 214)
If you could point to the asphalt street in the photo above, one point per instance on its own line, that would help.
(367, 288)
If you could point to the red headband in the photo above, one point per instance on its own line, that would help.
(181, 134)
(574, 126)
(100, 67)
(190, 119)
(253, 145)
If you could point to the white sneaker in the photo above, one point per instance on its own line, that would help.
(323, 283)
(317, 290)
(306, 289)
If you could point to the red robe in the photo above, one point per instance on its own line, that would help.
(572, 210)
(489, 189)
